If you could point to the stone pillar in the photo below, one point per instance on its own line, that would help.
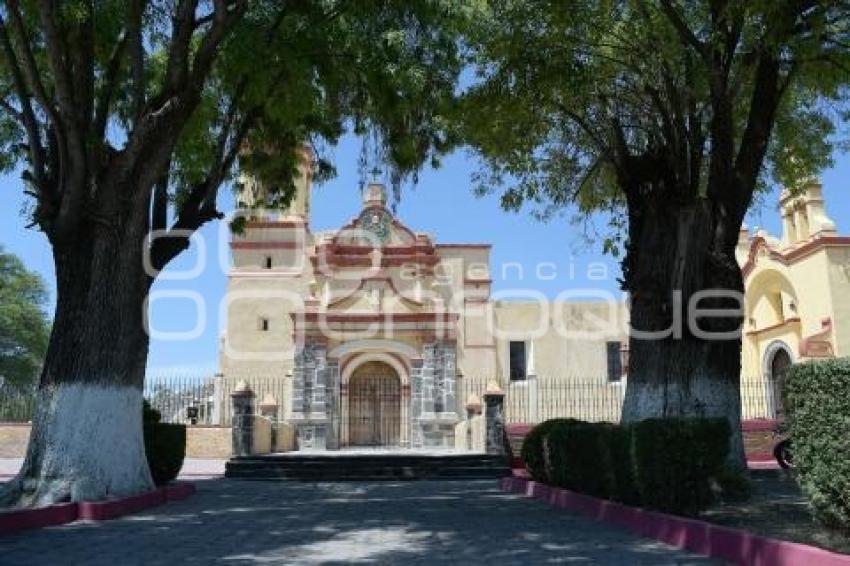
(242, 419)
(332, 402)
(494, 401)
(473, 408)
(416, 435)
(269, 409)
(434, 408)
(313, 379)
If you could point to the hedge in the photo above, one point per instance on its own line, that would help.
(817, 403)
(675, 460)
(580, 458)
(165, 446)
(665, 464)
(534, 451)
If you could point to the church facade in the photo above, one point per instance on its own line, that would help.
(374, 330)
(797, 299)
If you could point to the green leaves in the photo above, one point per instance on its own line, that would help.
(24, 328)
(190, 89)
(574, 103)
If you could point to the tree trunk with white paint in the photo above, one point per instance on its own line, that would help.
(681, 365)
(87, 439)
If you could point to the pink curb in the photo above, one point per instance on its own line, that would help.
(110, 509)
(19, 520)
(714, 541)
(62, 513)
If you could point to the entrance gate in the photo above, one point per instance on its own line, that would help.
(374, 406)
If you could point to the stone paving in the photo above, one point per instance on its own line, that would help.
(243, 522)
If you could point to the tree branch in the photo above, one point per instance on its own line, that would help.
(30, 122)
(137, 58)
(101, 115)
(684, 31)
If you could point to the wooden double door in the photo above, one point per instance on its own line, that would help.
(374, 406)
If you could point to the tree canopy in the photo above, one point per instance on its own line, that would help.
(169, 95)
(576, 102)
(24, 327)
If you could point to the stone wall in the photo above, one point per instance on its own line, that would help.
(201, 441)
(13, 440)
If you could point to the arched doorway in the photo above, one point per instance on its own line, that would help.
(374, 406)
(778, 362)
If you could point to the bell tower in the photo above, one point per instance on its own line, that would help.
(253, 193)
(804, 214)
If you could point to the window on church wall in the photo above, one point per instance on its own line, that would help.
(263, 325)
(518, 363)
(267, 262)
(615, 361)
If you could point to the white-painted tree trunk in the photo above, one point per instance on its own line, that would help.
(703, 397)
(87, 444)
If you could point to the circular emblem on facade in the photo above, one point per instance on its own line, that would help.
(377, 222)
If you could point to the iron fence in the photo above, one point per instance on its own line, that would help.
(17, 405)
(528, 401)
(210, 396)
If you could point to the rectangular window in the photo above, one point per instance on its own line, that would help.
(268, 262)
(518, 365)
(615, 361)
(264, 324)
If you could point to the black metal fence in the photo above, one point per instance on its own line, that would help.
(528, 401)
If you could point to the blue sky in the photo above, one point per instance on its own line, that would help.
(441, 204)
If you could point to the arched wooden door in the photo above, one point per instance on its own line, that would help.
(779, 365)
(374, 406)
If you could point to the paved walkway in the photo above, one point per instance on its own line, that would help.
(242, 522)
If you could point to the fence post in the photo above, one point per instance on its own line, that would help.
(494, 401)
(242, 419)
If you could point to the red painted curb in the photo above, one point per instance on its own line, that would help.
(21, 519)
(63, 513)
(710, 540)
(112, 508)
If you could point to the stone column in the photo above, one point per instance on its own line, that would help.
(416, 435)
(311, 381)
(473, 408)
(268, 409)
(242, 419)
(332, 402)
(494, 401)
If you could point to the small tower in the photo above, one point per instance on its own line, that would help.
(804, 214)
(252, 192)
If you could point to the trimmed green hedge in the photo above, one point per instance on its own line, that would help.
(665, 464)
(817, 402)
(580, 458)
(534, 451)
(675, 461)
(165, 446)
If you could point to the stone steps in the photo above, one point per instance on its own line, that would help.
(366, 467)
